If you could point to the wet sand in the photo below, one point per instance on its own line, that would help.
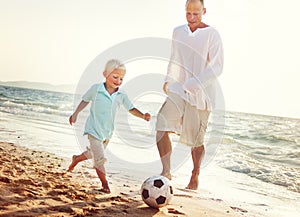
(34, 183)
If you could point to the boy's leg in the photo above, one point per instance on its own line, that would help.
(97, 149)
(164, 146)
(76, 159)
(102, 176)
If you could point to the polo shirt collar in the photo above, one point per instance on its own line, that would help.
(103, 89)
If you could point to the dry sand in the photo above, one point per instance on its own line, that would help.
(34, 183)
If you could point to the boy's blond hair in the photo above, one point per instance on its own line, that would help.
(114, 64)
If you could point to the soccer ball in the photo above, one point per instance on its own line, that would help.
(156, 191)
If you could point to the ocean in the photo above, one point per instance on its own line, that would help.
(253, 160)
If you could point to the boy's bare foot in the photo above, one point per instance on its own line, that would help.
(105, 189)
(194, 182)
(73, 164)
(167, 175)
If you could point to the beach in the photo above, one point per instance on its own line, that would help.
(35, 183)
(251, 165)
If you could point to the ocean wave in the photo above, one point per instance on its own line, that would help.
(35, 110)
(34, 103)
(270, 172)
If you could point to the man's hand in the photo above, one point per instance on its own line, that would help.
(165, 87)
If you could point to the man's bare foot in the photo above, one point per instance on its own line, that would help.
(73, 164)
(194, 181)
(167, 175)
(193, 185)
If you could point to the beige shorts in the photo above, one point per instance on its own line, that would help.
(96, 151)
(178, 116)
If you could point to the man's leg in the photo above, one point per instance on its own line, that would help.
(164, 146)
(169, 120)
(195, 123)
(197, 155)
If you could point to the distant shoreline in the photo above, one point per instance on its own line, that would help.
(71, 89)
(64, 88)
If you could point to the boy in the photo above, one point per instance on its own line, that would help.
(106, 98)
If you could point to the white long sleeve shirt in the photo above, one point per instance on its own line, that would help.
(196, 62)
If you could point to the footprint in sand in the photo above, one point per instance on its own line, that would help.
(183, 195)
(4, 179)
(61, 186)
(26, 182)
(175, 211)
(237, 209)
(118, 199)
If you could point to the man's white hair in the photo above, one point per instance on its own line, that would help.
(187, 1)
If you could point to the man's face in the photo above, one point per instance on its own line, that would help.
(194, 12)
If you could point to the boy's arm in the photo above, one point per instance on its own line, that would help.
(79, 108)
(139, 114)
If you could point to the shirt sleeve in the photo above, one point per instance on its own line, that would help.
(90, 94)
(127, 103)
(174, 71)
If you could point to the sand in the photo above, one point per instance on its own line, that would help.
(34, 183)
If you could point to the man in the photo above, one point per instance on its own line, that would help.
(196, 61)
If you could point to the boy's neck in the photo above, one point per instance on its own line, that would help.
(110, 90)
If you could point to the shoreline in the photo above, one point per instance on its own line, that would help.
(35, 183)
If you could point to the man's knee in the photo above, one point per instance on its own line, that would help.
(161, 134)
(198, 148)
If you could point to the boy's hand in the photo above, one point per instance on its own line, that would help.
(146, 117)
(72, 119)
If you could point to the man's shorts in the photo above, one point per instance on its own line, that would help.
(178, 116)
(96, 151)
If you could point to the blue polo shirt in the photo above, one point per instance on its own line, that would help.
(100, 122)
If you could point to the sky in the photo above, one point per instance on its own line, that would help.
(54, 41)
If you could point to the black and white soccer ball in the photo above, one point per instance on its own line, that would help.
(156, 191)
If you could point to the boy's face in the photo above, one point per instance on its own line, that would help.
(115, 78)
